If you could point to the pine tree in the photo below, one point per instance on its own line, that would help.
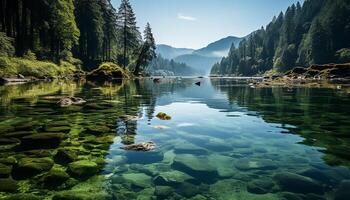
(128, 33)
(148, 49)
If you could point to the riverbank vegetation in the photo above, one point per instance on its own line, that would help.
(316, 32)
(60, 36)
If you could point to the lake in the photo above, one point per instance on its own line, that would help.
(225, 141)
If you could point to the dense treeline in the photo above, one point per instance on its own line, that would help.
(161, 66)
(315, 33)
(89, 30)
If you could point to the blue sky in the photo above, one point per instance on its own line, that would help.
(196, 23)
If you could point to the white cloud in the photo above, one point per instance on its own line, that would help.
(184, 17)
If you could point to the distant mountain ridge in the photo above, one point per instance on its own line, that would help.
(200, 59)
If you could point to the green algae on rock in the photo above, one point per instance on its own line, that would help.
(29, 167)
(82, 169)
(163, 116)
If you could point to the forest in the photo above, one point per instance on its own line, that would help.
(316, 32)
(74, 32)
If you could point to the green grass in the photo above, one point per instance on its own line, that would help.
(12, 66)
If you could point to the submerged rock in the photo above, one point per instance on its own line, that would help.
(54, 178)
(97, 129)
(65, 156)
(29, 167)
(68, 101)
(138, 179)
(260, 186)
(42, 141)
(163, 116)
(144, 146)
(81, 195)
(297, 183)
(173, 177)
(83, 169)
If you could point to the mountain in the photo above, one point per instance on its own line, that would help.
(219, 48)
(170, 52)
(202, 59)
(202, 64)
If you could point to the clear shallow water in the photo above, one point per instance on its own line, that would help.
(225, 141)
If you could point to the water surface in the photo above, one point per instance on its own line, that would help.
(225, 141)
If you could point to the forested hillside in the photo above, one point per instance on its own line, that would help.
(164, 67)
(91, 31)
(316, 32)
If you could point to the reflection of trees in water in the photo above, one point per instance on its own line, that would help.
(318, 115)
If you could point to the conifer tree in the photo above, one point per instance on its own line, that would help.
(128, 33)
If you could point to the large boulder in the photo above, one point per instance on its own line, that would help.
(5, 171)
(83, 169)
(54, 178)
(297, 183)
(65, 156)
(29, 167)
(107, 71)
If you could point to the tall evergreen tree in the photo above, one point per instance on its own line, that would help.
(128, 33)
(148, 50)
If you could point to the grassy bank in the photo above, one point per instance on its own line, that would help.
(12, 66)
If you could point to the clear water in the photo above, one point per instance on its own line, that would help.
(225, 141)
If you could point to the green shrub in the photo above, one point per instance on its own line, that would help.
(29, 55)
(6, 45)
(343, 55)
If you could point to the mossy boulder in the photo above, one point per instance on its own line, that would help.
(29, 167)
(163, 116)
(83, 169)
(54, 178)
(97, 129)
(41, 141)
(65, 156)
(60, 129)
(108, 71)
(8, 185)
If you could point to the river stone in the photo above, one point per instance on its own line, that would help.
(5, 171)
(65, 156)
(196, 163)
(343, 192)
(163, 191)
(60, 129)
(255, 164)
(138, 179)
(97, 129)
(173, 177)
(8, 185)
(260, 186)
(54, 177)
(297, 183)
(83, 169)
(188, 190)
(189, 148)
(233, 189)
(29, 167)
(42, 141)
(146, 194)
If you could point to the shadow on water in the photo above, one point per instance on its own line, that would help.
(225, 141)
